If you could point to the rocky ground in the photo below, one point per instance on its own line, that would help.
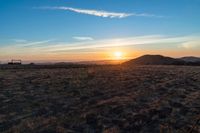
(108, 99)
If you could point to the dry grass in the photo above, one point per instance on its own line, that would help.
(109, 99)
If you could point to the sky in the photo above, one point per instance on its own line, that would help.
(76, 30)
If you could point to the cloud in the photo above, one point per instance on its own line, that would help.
(81, 38)
(22, 47)
(191, 44)
(30, 44)
(26, 43)
(101, 13)
(51, 48)
(118, 42)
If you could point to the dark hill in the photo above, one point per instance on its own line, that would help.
(190, 59)
(155, 60)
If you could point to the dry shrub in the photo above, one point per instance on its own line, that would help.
(111, 130)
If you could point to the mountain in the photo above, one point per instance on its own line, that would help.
(190, 59)
(154, 60)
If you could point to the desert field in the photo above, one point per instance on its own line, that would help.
(100, 99)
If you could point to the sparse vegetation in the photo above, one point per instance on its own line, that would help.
(108, 99)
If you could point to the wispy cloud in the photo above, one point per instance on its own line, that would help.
(30, 44)
(27, 43)
(22, 47)
(51, 48)
(119, 42)
(83, 38)
(191, 44)
(101, 13)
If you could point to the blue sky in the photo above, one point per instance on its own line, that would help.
(76, 22)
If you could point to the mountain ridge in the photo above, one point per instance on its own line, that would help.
(190, 59)
(162, 60)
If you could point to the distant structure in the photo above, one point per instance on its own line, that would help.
(15, 62)
(32, 63)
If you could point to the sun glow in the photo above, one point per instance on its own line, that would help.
(118, 55)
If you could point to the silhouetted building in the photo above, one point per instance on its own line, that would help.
(15, 62)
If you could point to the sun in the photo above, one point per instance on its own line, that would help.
(118, 55)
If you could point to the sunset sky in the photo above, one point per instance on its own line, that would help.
(75, 30)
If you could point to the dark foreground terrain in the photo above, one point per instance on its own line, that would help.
(108, 99)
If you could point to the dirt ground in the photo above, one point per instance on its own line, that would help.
(101, 99)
